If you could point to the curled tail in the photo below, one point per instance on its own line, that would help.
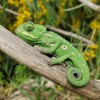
(78, 77)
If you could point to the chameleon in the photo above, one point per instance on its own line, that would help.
(77, 73)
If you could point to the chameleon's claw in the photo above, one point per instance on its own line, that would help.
(39, 49)
(50, 64)
(42, 51)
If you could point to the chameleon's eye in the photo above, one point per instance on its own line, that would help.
(29, 26)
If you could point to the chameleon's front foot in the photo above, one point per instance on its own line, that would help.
(76, 77)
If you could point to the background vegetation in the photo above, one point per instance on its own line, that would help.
(59, 13)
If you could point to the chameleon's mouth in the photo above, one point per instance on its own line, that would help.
(17, 31)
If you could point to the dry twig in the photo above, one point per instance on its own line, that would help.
(66, 33)
(9, 11)
(91, 5)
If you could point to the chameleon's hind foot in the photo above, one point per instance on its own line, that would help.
(52, 61)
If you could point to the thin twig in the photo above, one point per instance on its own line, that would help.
(93, 34)
(73, 8)
(66, 33)
(91, 5)
(9, 11)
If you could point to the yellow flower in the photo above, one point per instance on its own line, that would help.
(11, 27)
(58, 20)
(27, 13)
(38, 15)
(59, 88)
(63, 3)
(86, 58)
(11, 2)
(95, 24)
(22, 1)
(48, 1)
(61, 11)
(1, 10)
(93, 55)
(94, 1)
(93, 46)
(40, 3)
(35, 16)
(41, 22)
(75, 25)
(45, 11)
(89, 54)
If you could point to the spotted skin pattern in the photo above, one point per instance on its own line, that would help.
(78, 72)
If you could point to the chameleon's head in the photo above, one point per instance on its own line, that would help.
(29, 31)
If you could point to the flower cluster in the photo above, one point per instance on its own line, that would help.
(95, 24)
(40, 16)
(94, 1)
(76, 25)
(61, 13)
(23, 13)
(91, 53)
(41, 12)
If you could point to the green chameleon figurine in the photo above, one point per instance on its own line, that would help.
(78, 72)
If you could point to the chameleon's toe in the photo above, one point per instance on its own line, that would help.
(49, 63)
(53, 62)
(42, 51)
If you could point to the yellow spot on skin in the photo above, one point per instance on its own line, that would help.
(64, 47)
(73, 53)
(48, 35)
(79, 55)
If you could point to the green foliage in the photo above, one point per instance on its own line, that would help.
(12, 74)
(22, 74)
(97, 74)
(41, 89)
(3, 15)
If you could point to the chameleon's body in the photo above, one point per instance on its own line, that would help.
(78, 72)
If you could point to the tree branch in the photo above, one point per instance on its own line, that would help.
(91, 5)
(66, 33)
(9, 11)
(33, 59)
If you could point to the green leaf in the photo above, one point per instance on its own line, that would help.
(98, 50)
(50, 10)
(35, 5)
(30, 6)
